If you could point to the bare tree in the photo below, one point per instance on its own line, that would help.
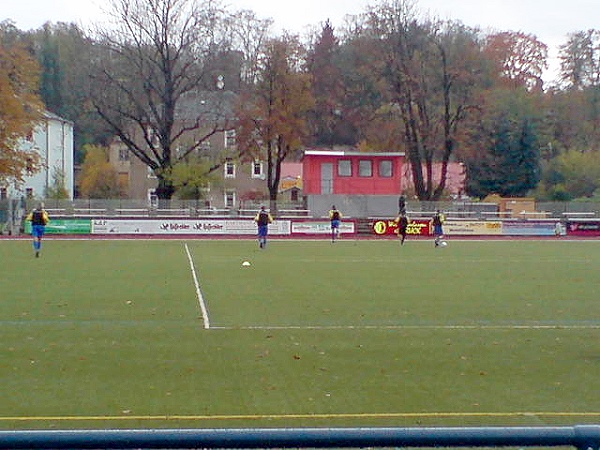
(430, 78)
(250, 35)
(153, 83)
(580, 60)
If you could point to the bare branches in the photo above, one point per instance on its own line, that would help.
(150, 68)
(580, 60)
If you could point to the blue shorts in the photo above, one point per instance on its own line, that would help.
(38, 230)
(263, 230)
(335, 224)
(437, 230)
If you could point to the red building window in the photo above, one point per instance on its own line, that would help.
(365, 168)
(386, 169)
(345, 168)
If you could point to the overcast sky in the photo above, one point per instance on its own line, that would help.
(549, 20)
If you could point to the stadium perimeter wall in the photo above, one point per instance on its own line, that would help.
(314, 228)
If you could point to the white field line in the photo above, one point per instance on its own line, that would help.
(198, 291)
(410, 327)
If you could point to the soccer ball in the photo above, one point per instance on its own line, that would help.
(246, 263)
(443, 244)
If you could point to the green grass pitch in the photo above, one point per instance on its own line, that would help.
(112, 334)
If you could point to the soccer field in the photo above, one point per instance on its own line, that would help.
(177, 333)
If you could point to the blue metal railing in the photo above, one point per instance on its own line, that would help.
(583, 437)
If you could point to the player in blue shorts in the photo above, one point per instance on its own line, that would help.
(336, 219)
(39, 219)
(437, 223)
(263, 219)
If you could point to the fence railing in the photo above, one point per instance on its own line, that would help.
(582, 437)
(460, 209)
(12, 211)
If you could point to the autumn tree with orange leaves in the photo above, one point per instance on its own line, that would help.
(521, 58)
(20, 110)
(99, 179)
(273, 112)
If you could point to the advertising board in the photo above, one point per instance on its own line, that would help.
(583, 228)
(472, 228)
(320, 227)
(529, 228)
(185, 226)
(65, 226)
(422, 227)
(385, 227)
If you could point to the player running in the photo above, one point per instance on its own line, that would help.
(39, 219)
(402, 221)
(263, 219)
(438, 227)
(335, 216)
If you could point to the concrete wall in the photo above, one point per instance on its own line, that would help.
(354, 205)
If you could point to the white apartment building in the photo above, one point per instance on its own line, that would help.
(52, 139)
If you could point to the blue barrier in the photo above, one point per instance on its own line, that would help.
(583, 437)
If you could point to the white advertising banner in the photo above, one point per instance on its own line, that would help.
(321, 227)
(185, 226)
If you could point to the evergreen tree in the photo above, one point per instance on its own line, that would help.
(51, 88)
(327, 123)
(510, 166)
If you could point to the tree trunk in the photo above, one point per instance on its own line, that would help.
(165, 189)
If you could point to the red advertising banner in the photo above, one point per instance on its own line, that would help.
(589, 228)
(386, 227)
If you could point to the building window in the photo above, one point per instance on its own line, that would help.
(294, 195)
(124, 180)
(229, 199)
(257, 169)
(365, 168)
(3, 193)
(204, 146)
(152, 198)
(229, 169)
(123, 154)
(229, 138)
(386, 169)
(344, 168)
(29, 193)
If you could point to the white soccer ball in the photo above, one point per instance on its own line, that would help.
(444, 244)
(246, 263)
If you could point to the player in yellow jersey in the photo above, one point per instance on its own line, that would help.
(335, 216)
(263, 219)
(39, 219)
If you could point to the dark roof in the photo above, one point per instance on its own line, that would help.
(209, 106)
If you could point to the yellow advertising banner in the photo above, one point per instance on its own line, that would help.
(472, 228)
